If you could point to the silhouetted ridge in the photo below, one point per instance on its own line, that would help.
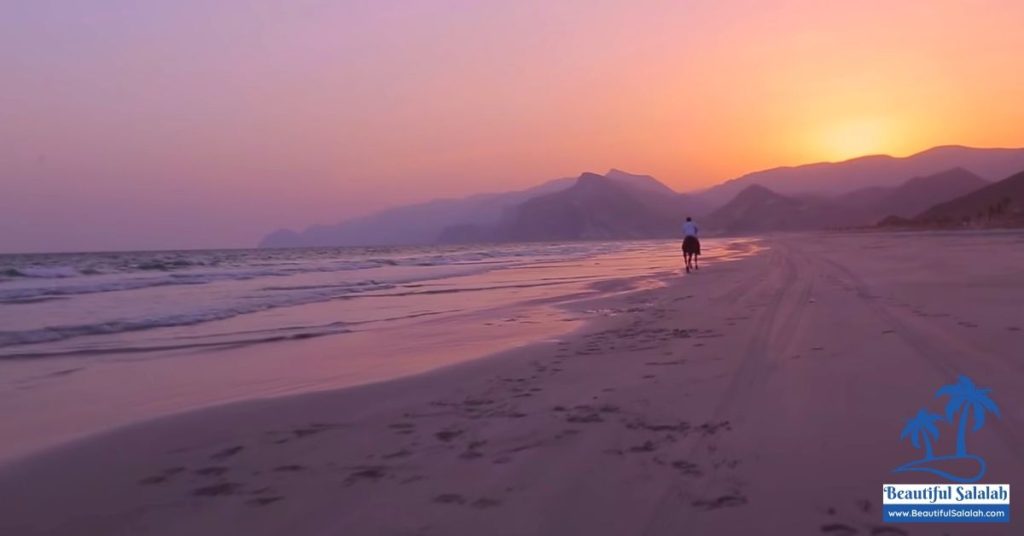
(1000, 204)
(595, 207)
(836, 178)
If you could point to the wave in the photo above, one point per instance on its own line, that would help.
(63, 265)
(86, 286)
(28, 282)
(42, 272)
(109, 327)
(182, 345)
(82, 280)
(210, 340)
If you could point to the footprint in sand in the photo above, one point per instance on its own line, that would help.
(216, 490)
(263, 501)
(838, 529)
(725, 501)
(660, 363)
(455, 498)
(585, 418)
(311, 429)
(397, 454)
(687, 468)
(372, 473)
(162, 477)
(450, 498)
(227, 453)
(647, 446)
(485, 502)
(888, 531)
(211, 471)
(448, 435)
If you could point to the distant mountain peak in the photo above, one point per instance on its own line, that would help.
(645, 183)
(756, 191)
(588, 176)
(616, 172)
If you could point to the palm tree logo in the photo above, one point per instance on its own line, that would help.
(967, 398)
(970, 401)
(922, 428)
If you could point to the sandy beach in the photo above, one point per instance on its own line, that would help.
(762, 396)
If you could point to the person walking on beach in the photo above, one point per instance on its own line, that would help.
(691, 244)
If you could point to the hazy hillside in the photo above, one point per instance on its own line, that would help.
(913, 196)
(595, 207)
(474, 218)
(843, 177)
(421, 223)
(997, 205)
(856, 192)
(759, 209)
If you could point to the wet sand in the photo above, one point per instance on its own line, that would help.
(401, 330)
(763, 396)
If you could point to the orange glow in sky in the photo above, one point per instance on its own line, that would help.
(260, 114)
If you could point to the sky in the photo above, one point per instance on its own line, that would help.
(199, 124)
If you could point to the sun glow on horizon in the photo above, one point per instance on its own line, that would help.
(857, 137)
(264, 114)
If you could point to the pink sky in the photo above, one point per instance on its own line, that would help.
(186, 123)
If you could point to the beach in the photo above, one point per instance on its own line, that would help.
(91, 342)
(761, 395)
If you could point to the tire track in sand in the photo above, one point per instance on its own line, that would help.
(771, 333)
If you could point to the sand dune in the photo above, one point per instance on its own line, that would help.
(763, 396)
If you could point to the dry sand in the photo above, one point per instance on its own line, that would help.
(764, 396)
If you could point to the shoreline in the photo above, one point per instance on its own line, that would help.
(759, 396)
(168, 384)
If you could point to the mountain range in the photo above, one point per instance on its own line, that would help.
(834, 178)
(420, 223)
(617, 204)
(1000, 204)
(759, 209)
(612, 206)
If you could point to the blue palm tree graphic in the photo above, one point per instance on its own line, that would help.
(922, 428)
(972, 403)
(965, 396)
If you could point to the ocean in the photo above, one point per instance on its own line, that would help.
(91, 341)
(96, 303)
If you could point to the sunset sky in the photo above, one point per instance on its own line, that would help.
(199, 123)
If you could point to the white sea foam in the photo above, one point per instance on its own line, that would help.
(54, 299)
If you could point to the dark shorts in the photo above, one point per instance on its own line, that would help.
(691, 245)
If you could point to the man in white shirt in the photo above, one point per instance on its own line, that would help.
(691, 245)
(689, 228)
